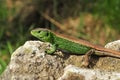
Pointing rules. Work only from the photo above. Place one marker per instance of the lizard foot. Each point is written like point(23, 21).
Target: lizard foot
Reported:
point(51, 49)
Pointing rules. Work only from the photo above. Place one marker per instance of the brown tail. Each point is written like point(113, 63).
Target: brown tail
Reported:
point(108, 52)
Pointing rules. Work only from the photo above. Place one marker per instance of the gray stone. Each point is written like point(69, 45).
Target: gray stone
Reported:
point(30, 62)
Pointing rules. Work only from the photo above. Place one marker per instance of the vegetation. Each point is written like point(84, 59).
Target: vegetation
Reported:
point(105, 19)
point(109, 9)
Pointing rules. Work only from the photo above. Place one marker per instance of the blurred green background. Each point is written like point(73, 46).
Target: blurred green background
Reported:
point(97, 21)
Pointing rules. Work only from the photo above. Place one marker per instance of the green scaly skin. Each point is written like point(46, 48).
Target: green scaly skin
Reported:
point(46, 35)
point(72, 45)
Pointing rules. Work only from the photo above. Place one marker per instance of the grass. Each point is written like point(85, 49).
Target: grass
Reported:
point(3, 65)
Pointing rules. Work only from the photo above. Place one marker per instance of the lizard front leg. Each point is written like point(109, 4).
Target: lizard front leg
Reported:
point(51, 49)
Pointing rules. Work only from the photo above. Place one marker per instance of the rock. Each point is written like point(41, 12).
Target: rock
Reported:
point(30, 62)
point(74, 73)
point(114, 45)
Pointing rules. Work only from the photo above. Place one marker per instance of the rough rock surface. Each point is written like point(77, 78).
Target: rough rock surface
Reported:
point(114, 45)
point(29, 62)
point(75, 73)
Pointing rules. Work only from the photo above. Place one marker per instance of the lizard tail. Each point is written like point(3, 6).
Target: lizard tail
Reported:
point(107, 52)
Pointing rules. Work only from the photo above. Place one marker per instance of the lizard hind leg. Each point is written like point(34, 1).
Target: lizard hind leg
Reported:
point(86, 58)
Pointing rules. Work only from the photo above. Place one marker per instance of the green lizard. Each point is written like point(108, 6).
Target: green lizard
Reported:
point(72, 45)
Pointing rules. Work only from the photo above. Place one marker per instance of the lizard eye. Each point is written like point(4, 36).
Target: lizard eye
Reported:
point(39, 31)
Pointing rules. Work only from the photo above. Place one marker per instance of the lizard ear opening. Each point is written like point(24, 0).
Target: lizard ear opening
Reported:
point(47, 34)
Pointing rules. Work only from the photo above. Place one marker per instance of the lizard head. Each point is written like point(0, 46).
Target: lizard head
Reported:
point(42, 34)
